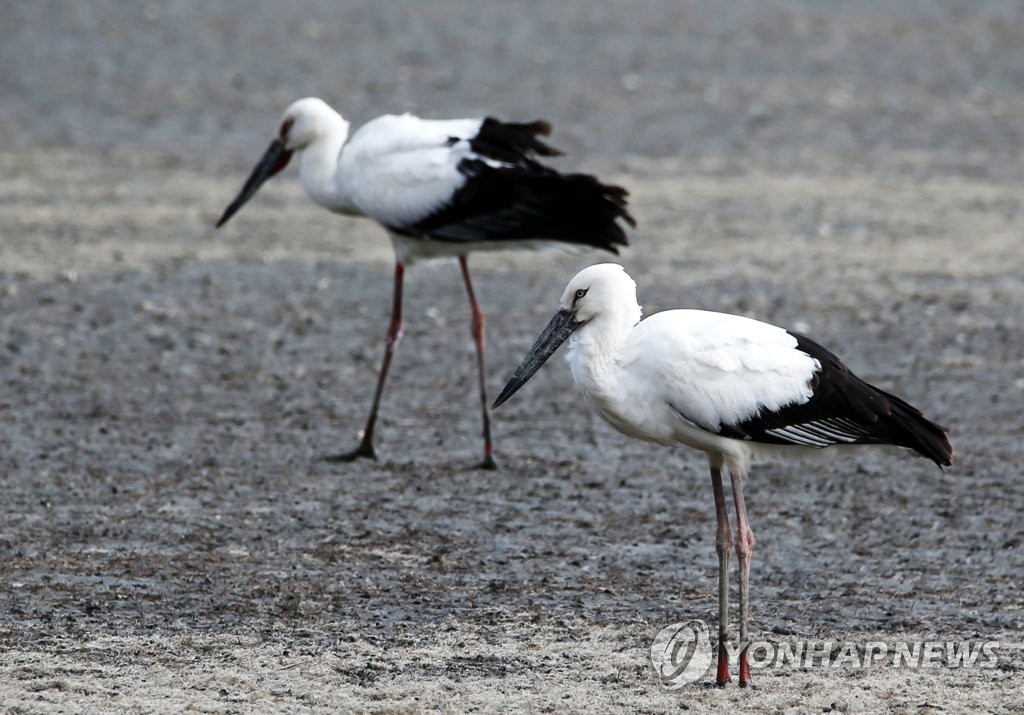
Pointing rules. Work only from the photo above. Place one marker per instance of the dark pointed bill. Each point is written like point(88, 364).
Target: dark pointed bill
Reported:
point(562, 325)
point(274, 159)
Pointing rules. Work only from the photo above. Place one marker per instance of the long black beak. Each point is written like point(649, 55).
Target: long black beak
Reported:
point(561, 326)
point(274, 159)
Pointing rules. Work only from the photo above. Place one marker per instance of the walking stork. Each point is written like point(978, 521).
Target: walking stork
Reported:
point(440, 188)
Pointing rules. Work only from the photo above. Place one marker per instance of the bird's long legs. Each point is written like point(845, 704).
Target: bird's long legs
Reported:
point(744, 548)
point(478, 337)
point(394, 334)
point(723, 544)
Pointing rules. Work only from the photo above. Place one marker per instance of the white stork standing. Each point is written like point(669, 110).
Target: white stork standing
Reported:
point(440, 188)
point(734, 388)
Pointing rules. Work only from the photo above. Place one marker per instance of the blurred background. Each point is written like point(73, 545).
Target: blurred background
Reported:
point(768, 82)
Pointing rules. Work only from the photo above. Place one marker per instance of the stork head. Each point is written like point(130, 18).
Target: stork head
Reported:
point(304, 122)
point(307, 120)
point(599, 290)
point(597, 294)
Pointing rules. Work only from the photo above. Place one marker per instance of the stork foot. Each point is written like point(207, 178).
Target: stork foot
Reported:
point(363, 451)
point(722, 676)
point(745, 668)
point(488, 463)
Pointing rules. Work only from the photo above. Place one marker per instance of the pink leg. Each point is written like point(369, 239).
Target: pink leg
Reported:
point(394, 334)
point(744, 548)
point(723, 544)
point(478, 337)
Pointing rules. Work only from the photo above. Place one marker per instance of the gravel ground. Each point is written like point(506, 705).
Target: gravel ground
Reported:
point(170, 540)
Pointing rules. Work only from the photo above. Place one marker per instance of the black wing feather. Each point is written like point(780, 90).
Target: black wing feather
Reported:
point(524, 199)
point(844, 409)
point(512, 141)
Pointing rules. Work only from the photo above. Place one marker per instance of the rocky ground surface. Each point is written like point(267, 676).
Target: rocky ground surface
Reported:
point(169, 538)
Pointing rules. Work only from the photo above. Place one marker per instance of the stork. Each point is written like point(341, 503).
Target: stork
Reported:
point(440, 188)
point(734, 388)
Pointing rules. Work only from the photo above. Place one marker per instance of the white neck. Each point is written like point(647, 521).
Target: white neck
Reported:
point(595, 349)
point(318, 168)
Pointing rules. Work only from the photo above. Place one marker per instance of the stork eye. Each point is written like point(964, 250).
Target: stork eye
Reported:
point(579, 294)
point(286, 126)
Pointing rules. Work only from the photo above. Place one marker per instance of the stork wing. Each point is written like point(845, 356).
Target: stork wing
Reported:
point(401, 170)
point(475, 180)
point(718, 370)
point(748, 380)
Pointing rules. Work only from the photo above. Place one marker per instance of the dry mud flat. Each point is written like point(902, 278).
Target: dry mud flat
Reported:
point(170, 541)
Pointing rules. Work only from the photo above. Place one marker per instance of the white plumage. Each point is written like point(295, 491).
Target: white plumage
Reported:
point(735, 388)
point(397, 170)
point(440, 188)
point(682, 369)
